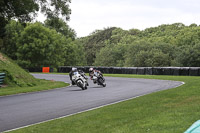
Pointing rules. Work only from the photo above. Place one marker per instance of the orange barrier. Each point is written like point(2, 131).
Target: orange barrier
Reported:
point(45, 69)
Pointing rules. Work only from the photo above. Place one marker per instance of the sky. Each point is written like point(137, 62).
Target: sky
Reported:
point(90, 15)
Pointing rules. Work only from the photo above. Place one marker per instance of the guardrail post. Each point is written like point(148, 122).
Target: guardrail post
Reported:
point(2, 76)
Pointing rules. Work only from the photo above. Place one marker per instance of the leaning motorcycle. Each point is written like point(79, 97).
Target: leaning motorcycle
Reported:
point(99, 79)
point(79, 80)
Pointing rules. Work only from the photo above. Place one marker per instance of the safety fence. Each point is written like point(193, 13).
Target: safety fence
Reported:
point(182, 71)
point(2, 76)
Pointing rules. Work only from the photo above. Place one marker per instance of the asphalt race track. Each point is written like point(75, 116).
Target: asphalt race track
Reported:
point(25, 109)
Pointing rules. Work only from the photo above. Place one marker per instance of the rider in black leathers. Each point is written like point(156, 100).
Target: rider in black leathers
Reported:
point(92, 73)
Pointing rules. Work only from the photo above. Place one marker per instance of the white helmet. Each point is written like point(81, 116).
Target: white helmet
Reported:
point(74, 69)
point(91, 69)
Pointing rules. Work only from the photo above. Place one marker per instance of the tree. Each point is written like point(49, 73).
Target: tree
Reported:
point(16, 9)
point(74, 54)
point(13, 31)
point(188, 55)
point(80, 54)
point(105, 57)
point(55, 8)
point(26, 10)
point(167, 48)
point(117, 35)
point(143, 54)
point(93, 43)
point(164, 40)
point(60, 26)
point(152, 58)
point(133, 49)
point(39, 46)
point(188, 36)
point(111, 55)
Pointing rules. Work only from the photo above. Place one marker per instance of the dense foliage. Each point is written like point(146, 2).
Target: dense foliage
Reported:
point(54, 43)
point(165, 45)
point(34, 45)
point(13, 32)
point(40, 46)
point(26, 10)
point(61, 27)
point(37, 45)
point(95, 42)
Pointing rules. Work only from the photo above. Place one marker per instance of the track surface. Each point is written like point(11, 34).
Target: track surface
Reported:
point(25, 109)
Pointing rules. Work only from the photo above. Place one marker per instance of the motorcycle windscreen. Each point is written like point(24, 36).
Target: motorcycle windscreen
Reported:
point(75, 73)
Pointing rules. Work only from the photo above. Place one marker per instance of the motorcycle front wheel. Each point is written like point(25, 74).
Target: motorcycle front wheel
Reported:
point(104, 85)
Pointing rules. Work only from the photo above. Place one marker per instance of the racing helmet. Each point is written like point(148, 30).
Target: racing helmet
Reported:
point(91, 69)
point(74, 69)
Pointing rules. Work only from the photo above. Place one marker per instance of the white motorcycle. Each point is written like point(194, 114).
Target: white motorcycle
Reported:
point(79, 80)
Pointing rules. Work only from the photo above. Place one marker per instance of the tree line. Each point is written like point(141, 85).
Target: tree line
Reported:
point(38, 45)
point(53, 43)
point(35, 44)
point(166, 45)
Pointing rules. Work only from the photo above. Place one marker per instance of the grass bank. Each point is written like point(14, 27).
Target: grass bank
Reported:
point(19, 81)
point(168, 111)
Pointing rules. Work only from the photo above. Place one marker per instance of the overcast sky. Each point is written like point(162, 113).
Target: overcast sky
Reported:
point(89, 15)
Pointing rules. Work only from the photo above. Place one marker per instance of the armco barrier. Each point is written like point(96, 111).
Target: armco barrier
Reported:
point(179, 71)
point(2, 76)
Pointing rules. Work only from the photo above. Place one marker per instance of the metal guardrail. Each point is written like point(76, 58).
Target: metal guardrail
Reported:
point(2, 76)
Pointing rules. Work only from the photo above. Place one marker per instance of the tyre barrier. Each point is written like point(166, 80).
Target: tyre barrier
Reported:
point(39, 69)
point(176, 71)
point(2, 76)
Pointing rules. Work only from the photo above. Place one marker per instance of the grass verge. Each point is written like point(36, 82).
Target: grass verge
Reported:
point(41, 86)
point(168, 111)
point(18, 80)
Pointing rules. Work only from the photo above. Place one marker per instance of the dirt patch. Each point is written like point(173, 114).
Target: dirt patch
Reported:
point(3, 86)
point(2, 58)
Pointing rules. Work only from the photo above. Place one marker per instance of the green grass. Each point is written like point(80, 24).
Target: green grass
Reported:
point(168, 111)
point(15, 75)
point(41, 86)
point(19, 81)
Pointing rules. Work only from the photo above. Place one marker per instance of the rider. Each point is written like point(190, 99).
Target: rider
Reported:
point(71, 73)
point(92, 74)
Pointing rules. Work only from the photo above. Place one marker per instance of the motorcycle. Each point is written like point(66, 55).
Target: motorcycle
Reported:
point(99, 79)
point(80, 80)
